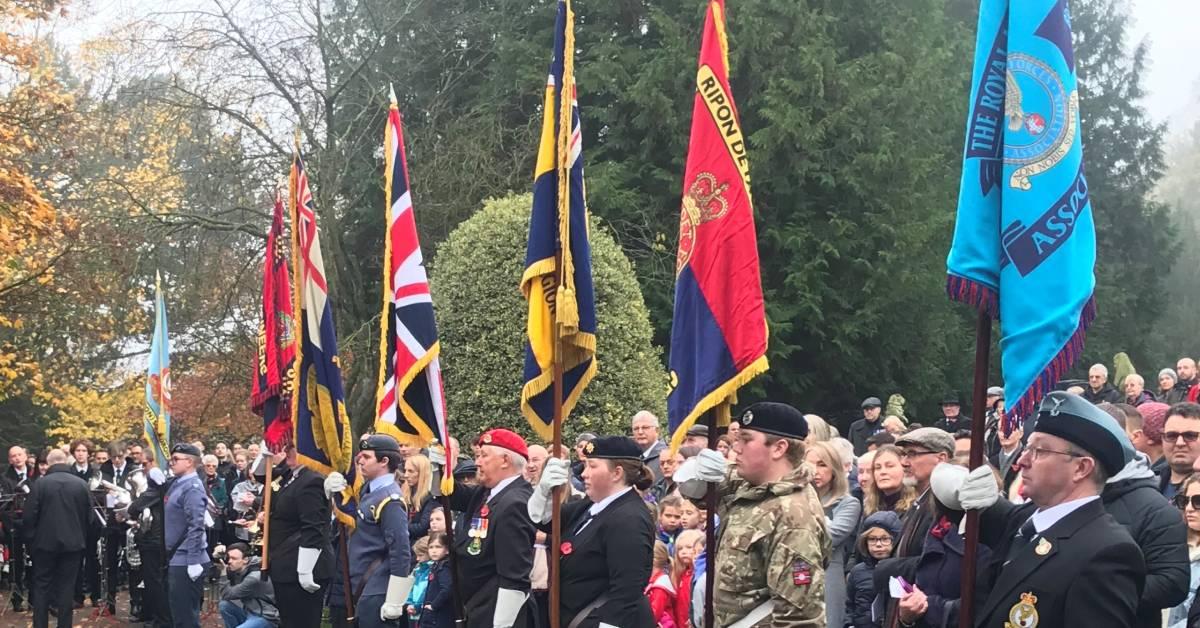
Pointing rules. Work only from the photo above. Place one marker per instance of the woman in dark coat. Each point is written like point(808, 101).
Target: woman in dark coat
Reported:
point(608, 538)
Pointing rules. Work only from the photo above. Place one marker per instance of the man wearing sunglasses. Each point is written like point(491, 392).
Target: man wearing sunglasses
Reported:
point(1181, 446)
point(1061, 555)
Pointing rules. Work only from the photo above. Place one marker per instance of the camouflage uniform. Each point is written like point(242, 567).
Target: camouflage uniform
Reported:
point(773, 545)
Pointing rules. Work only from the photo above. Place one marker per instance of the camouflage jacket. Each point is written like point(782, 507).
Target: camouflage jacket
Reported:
point(773, 544)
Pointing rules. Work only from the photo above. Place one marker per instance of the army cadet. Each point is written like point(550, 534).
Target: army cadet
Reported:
point(494, 545)
point(1061, 555)
point(773, 545)
point(301, 561)
point(608, 539)
point(380, 558)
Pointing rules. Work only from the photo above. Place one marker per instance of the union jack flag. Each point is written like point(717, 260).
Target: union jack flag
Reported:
point(411, 405)
point(320, 423)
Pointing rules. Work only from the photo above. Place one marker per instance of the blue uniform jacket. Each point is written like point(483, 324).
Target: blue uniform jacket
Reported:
point(183, 518)
point(381, 534)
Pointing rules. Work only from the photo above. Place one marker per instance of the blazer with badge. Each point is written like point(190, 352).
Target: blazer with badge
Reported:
point(1085, 570)
point(609, 557)
point(299, 518)
point(493, 547)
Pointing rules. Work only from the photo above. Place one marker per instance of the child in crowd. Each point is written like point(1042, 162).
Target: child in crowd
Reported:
point(688, 545)
point(691, 516)
point(880, 532)
point(438, 608)
point(669, 514)
point(437, 522)
point(416, 595)
point(661, 589)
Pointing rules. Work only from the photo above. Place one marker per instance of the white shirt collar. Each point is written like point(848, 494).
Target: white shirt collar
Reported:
point(501, 485)
point(1043, 519)
point(81, 468)
point(599, 506)
point(381, 481)
point(649, 450)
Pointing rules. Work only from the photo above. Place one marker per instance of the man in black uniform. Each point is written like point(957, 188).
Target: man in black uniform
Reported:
point(89, 577)
point(57, 518)
point(15, 485)
point(607, 539)
point(147, 510)
point(1064, 561)
point(300, 558)
point(115, 471)
point(494, 546)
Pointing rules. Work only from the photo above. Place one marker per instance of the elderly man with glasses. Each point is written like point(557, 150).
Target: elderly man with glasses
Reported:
point(1061, 554)
point(644, 429)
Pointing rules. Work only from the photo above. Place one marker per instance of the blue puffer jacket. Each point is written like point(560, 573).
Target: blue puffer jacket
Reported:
point(860, 588)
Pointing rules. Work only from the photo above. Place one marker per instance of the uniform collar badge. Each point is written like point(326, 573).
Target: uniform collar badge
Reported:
point(1043, 547)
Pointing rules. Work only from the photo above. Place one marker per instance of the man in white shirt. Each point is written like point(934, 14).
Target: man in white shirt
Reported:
point(1061, 559)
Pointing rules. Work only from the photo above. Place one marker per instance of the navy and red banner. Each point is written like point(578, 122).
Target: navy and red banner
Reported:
point(321, 427)
point(271, 394)
point(409, 400)
point(719, 332)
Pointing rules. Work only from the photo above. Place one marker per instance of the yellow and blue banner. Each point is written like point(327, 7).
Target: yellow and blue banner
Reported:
point(322, 429)
point(557, 281)
point(156, 421)
point(1024, 240)
point(719, 328)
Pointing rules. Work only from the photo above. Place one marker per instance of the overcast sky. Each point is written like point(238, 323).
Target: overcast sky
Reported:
point(1171, 27)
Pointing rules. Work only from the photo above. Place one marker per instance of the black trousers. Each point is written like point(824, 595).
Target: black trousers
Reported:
point(89, 575)
point(185, 596)
point(114, 542)
point(54, 576)
point(299, 608)
point(154, 572)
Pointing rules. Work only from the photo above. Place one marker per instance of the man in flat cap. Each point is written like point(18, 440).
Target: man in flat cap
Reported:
point(921, 450)
point(867, 426)
point(1061, 559)
point(493, 546)
point(185, 537)
point(773, 545)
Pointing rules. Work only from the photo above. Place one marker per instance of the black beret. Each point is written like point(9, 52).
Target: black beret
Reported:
point(613, 448)
point(775, 418)
point(185, 448)
point(1078, 421)
point(378, 442)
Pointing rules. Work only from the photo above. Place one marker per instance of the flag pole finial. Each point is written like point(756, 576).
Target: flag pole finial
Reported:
point(392, 93)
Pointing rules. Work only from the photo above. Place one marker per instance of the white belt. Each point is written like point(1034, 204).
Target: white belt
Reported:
point(756, 614)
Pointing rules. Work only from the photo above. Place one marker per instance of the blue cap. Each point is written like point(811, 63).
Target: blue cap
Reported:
point(1077, 420)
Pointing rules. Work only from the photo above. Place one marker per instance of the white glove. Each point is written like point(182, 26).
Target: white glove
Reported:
point(508, 606)
point(693, 476)
point(124, 499)
point(555, 472)
point(305, 561)
point(393, 603)
point(335, 483)
point(195, 571)
point(979, 490)
point(437, 455)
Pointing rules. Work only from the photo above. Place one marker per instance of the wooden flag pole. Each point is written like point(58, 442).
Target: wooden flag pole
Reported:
point(343, 532)
point(556, 494)
point(710, 530)
point(266, 524)
point(983, 346)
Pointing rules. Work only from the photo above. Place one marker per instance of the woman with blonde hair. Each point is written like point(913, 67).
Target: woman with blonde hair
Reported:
point(818, 429)
point(416, 487)
point(888, 491)
point(842, 511)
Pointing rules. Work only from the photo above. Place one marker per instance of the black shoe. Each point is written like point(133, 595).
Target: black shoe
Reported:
point(18, 607)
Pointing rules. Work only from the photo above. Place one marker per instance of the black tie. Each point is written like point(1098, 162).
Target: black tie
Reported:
point(1022, 540)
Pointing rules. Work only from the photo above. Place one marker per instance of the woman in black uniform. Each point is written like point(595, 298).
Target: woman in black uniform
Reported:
point(607, 539)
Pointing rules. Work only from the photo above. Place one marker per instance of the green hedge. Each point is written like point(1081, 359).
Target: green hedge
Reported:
point(481, 314)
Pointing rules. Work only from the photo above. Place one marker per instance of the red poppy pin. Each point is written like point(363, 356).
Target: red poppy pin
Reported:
point(565, 549)
point(483, 512)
